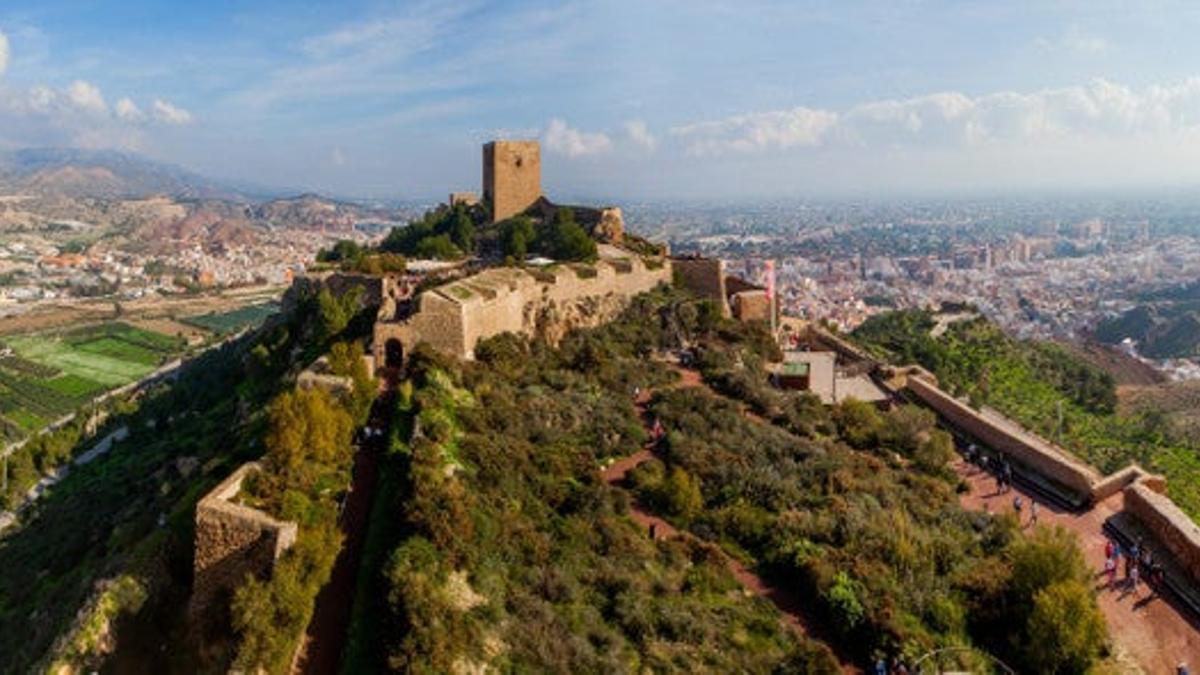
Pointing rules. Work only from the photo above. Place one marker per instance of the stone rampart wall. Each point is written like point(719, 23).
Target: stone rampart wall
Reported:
point(1022, 446)
point(1116, 482)
point(232, 541)
point(338, 283)
point(703, 276)
point(753, 305)
point(1168, 523)
point(541, 303)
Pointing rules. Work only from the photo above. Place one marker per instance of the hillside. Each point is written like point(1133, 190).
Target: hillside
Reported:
point(123, 202)
point(110, 174)
point(1177, 402)
point(514, 548)
point(793, 538)
point(1166, 325)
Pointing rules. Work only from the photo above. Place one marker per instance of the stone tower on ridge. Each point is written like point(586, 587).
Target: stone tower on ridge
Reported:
point(512, 177)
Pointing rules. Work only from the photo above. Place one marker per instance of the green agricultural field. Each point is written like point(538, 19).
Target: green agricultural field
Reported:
point(49, 375)
point(225, 323)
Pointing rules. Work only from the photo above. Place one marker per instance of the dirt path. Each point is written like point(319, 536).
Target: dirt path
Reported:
point(794, 613)
point(320, 651)
point(1153, 632)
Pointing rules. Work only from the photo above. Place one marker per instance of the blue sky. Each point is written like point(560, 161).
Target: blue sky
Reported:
point(695, 98)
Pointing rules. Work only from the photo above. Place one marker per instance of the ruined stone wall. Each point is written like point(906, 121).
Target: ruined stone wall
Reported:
point(1168, 523)
point(752, 305)
point(703, 276)
point(512, 177)
point(231, 541)
point(1006, 437)
point(308, 285)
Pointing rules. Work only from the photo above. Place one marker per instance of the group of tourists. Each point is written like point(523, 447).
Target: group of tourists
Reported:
point(1002, 469)
point(996, 465)
point(1139, 563)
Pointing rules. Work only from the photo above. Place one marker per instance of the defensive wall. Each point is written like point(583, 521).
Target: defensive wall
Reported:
point(1168, 523)
point(747, 301)
point(703, 276)
point(232, 541)
point(308, 285)
point(605, 224)
point(1144, 493)
point(1007, 437)
point(544, 303)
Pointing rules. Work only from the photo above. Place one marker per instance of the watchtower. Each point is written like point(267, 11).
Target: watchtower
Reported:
point(512, 177)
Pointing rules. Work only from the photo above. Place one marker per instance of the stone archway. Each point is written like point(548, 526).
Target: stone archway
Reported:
point(393, 353)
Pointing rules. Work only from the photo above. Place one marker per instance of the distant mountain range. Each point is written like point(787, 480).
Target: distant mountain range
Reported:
point(103, 173)
point(139, 204)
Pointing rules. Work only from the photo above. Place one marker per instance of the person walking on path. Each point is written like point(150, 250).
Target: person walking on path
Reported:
point(1110, 570)
point(1155, 579)
point(1133, 580)
point(1033, 511)
point(1109, 548)
point(1017, 508)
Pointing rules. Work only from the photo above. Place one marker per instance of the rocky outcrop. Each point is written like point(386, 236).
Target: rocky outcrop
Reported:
point(551, 321)
point(610, 228)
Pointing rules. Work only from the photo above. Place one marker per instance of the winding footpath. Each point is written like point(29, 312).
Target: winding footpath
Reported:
point(1152, 633)
point(320, 650)
point(794, 614)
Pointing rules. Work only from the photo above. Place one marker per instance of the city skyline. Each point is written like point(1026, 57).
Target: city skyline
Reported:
point(673, 100)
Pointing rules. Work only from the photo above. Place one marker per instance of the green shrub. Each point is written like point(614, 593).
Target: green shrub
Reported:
point(1066, 632)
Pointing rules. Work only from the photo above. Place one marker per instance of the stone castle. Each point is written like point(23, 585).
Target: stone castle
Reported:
point(540, 302)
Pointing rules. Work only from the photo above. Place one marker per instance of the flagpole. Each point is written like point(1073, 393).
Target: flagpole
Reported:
point(771, 295)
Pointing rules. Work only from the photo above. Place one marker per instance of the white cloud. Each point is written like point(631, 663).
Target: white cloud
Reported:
point(3, 53)
point(564, 140)
point(40, 98)
point(640, 135)
point(1100, 110)
point(406, 32)
point(167, 113)
point(757, 131)
point(86, 96)
point(128, 111)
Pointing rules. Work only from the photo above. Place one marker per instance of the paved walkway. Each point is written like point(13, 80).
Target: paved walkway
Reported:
point(794, 614)
point(1152, 632)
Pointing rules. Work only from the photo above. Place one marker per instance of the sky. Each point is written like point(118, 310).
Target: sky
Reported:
point(639, 99)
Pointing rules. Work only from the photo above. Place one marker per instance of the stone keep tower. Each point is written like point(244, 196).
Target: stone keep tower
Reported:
point(512, 177)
